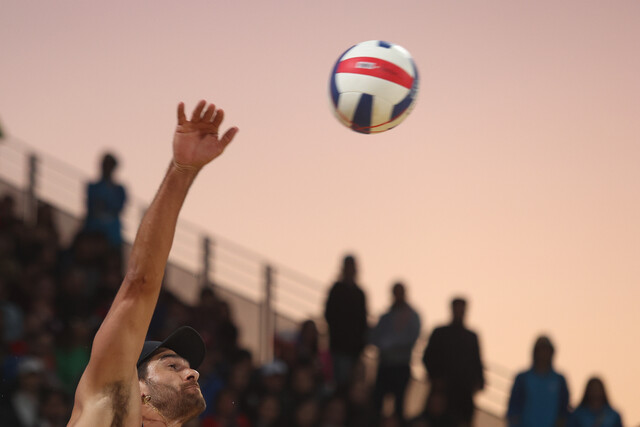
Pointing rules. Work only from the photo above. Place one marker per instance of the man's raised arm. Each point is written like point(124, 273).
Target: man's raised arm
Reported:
point(119, 340)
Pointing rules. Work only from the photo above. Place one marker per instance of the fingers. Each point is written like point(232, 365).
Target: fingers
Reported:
point(218, 119)
point(209, 120)
point(198, 116)
point(228, 136)
point(197, 112)
point(208, 113)
point(181, 117)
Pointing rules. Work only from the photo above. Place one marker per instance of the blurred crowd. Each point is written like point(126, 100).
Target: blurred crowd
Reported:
point(54, 297)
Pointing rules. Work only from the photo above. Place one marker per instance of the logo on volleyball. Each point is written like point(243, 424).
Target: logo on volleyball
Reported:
point(367, 65)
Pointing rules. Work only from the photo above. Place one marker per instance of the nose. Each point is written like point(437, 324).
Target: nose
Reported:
point(192, 374)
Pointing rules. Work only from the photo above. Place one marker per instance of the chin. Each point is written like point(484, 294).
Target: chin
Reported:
point(193, 404)
point(199, 404)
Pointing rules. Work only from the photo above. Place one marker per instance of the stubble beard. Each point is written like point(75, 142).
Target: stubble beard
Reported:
point(176, 404)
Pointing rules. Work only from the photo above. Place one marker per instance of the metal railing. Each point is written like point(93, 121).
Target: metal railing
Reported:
point(270, 296)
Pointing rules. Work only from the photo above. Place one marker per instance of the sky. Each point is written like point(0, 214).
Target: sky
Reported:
point(514, 181)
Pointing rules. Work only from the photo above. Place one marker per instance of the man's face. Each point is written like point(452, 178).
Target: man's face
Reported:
point(172, 386)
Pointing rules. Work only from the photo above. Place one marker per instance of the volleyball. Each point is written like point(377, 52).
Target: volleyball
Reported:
point(373, 86)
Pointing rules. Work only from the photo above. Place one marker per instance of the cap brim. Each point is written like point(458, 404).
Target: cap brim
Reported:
point(185, 341)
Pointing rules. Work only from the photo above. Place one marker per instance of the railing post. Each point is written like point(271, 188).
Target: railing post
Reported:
point(207, 268)
point(30, 201)
point(268, 324)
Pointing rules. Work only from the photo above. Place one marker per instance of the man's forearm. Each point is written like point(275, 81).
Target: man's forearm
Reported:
point(153, 241)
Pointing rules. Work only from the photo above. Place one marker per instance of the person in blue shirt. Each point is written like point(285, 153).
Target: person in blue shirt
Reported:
point(395, 335)
point(594, 410)
point(539, 396)
point(105, 201)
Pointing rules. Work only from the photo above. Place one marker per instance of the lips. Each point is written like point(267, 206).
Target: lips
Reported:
point(191, 386)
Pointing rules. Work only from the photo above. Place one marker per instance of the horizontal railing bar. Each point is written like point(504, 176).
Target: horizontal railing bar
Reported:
point(238, 264)
point(282, 284)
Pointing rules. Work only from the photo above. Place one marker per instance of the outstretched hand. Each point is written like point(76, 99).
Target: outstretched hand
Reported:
point(196, 141)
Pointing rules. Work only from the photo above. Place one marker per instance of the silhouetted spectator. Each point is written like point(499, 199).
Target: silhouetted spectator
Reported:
point(46, 228)
point(55, 409)
point(307, 345)
point(594, 409)
point(73, 300)
point(452, 359)
point(435, 410)
point(38, 245)
point(360, 411)
point(226, 338)
point(20, 407)
point(240, 380)
point(306, 413)
point(307, 349)
point(10, 232)
point(390, 421)
point(105, 201)
point(303, 347)
point(227, 414)
point(419, 422)
point(334, 412)
point(346, 315)
point(304, 382)
point(269, 413)
point(274, 382)
point(539, 396)
point(72, 354)
point(203, 317)
point(12, 315)
point(395, 335)
point(9, 219)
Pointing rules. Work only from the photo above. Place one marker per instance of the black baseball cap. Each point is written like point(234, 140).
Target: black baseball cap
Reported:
point(185, 341)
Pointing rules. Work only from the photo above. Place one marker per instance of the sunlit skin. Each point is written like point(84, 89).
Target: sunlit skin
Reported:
point(170, 390)
point(110, 393)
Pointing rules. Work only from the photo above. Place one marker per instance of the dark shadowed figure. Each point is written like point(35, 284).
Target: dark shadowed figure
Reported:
point(453, 363)
point(346, 316)
point(395, 335)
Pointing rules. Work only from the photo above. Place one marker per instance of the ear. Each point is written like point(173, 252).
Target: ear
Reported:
point(144, 388)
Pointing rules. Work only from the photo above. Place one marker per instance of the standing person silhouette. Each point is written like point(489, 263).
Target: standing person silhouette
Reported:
point(130, 382)
point(395, 336)
point(452, 359)
point(105, 201)
point(346, 316)
point(539, 396)
point(594, 409)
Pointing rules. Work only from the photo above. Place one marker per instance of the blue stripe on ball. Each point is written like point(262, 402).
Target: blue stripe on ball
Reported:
point(362, 116)
point(384, 44)
point(401, 106)
point(333, 88)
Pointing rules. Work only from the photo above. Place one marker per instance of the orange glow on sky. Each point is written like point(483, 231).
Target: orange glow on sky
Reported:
point(515, 181)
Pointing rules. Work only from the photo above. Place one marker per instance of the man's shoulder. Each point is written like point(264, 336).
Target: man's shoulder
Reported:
point(440, 329)
point(413, 312)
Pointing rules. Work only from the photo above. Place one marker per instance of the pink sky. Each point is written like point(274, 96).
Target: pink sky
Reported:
point(515, 180)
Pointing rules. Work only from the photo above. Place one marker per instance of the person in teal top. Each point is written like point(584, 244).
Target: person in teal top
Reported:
point(539, 396)
point(594, 410)
point(105, 201)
